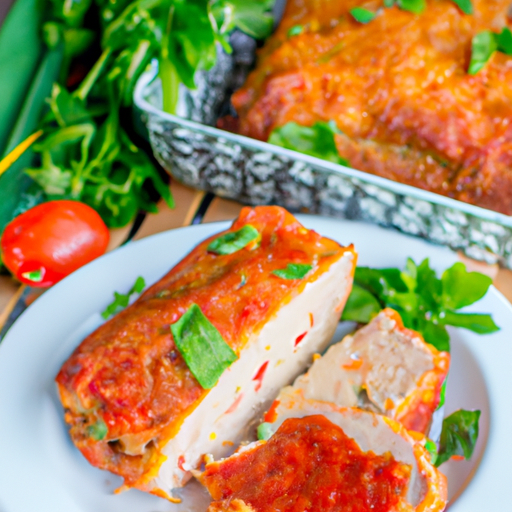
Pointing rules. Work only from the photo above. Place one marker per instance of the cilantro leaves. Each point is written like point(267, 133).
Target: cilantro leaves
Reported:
point(121, 300)
point(426, 303)
point(200, 343)
point(317, 140)
point(234, 240)
point(293, 271)
point(483, 46)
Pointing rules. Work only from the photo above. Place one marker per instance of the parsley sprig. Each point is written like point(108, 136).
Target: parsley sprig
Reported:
point(426, 303)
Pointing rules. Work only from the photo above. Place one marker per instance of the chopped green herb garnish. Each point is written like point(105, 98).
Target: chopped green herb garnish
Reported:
point(415, 6)
point(431, 448)
point(98, 430)
point(121, 300)
point(362, 15)
point(442, 395)
point(200, 343)
point(243, 281)
point(295, 30)
point(317, 140)
point(234, 240)
point(264, 431)
point(293, 271)
point(465, 6)
point(458, 436)
point(505, 41)
point(426, 303)
point(36, 276)
point(485, 44)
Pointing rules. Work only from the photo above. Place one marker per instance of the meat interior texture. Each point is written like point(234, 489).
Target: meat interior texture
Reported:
point(327, 458)
point(383, 367)
point(129, 379)
point(398, 89)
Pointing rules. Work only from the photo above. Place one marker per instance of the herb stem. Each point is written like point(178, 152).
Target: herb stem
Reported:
point(167, 71)
point(85, 87)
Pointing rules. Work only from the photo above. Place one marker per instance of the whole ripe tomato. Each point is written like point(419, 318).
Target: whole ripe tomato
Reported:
point(51, 240)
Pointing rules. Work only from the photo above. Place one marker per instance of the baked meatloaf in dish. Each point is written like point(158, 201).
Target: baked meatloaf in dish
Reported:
point(398, 89)
point(141, 393)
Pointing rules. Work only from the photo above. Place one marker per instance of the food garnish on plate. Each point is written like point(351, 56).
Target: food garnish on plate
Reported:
point(183, 371)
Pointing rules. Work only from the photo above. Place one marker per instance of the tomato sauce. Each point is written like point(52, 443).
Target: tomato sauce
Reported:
point(310, 465)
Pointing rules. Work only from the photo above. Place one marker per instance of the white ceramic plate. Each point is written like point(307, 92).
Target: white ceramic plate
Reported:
point(40, 470)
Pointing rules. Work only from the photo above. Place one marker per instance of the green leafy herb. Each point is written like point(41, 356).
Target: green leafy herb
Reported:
point(264, 431)
point(317, 140)
point(200, 343)
point(431, 448)
point(86, 154)
point(98, 430)
point(295, 30)
point(442, 395)
point(293, 271)
point(466, 6)
point(483, 46)
point(504, 40)
point(415, 6)
point(35, 276)
point(234, 241)
point(121, 300)
point(426, 303)
point(458, 436)
point(362, 15)
point(361, 305)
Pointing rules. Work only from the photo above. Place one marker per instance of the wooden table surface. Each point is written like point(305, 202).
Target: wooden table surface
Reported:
point(190, 206)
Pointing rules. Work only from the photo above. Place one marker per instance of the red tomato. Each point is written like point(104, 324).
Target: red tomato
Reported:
point(48, 242)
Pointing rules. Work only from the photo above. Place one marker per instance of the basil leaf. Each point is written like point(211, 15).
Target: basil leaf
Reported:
point(98, 430)
point(362, 15)
point(317, 140)
point(431, 448)
point(234, 241)
point(295, 30)
point(361, 306)
point(121, 300)
point(465, 6)
point(462, 288)
point(264, 431)
point(293, 271)
point(505, 41)
point(458, 436)
point(479, 323)
point(435, 334)
point(483, 46)
point(200, 343)
point(415, 6)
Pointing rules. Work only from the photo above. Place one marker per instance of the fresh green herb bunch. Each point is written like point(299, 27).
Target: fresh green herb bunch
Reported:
point(426, 303)
point(85, 152)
